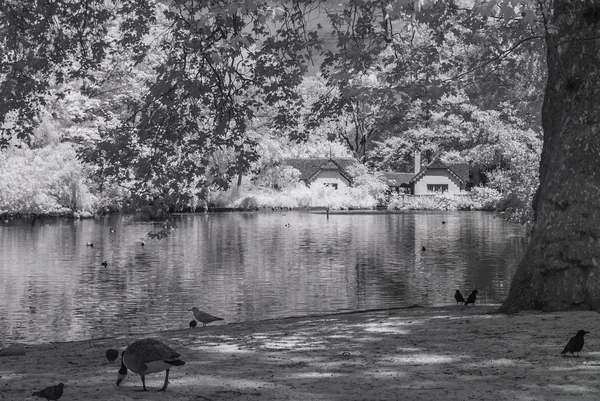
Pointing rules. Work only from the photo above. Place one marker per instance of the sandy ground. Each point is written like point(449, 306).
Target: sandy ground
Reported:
point(446, 353)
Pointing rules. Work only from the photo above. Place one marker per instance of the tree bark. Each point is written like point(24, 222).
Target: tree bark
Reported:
point(560, 269)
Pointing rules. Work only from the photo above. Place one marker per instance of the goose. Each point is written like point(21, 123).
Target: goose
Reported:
point(203, 317)
point(148, 356)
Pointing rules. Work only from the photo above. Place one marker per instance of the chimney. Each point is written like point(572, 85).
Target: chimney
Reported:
point(417, 162)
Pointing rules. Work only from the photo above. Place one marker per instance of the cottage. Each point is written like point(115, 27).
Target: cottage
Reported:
point(331, 172)
point(434, 177)
point(440, 177)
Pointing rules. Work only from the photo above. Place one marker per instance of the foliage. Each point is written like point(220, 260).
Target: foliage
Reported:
point(46, 181)
point(478, 200)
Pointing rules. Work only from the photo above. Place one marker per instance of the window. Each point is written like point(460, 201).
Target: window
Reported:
point(437, 187)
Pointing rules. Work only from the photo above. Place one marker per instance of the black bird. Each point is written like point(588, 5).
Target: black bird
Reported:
point(423, 249)
point(443, 222)
point(51, 393)
point(192, 324)
point(112, 355)
point(575, 344)
point(471, 298)
point(105, 263)
point(459, 298)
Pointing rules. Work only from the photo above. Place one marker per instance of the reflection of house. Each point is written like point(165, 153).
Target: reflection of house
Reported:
point(434, 177)
point(330, 172)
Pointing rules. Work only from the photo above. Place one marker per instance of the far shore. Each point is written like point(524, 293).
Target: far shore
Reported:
point(448, 353)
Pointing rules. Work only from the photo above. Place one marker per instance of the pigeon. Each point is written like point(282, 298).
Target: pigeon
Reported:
point(112, 355)
point(459, 298)
point(575, 344)
point(105, 263)
point(148, 356)
point(50, 393)
point(204, 317)
point(192, 324)
point(471, 298)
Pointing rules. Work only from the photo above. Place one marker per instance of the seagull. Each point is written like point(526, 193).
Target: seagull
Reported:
point(89, 244)
point(148, 356)
point(575, 344)
point(192, 324)
point(471, 298)
point(50, 393)
point(112, 355)
point(459, 298)
point(204, 317)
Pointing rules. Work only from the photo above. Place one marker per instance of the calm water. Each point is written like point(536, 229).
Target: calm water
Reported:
point(242, 267)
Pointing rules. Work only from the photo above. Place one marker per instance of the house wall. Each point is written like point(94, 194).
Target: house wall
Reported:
point(331, 177)
point(438, 176)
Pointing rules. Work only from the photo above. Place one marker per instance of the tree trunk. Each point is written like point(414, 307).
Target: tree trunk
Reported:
point(560, 268)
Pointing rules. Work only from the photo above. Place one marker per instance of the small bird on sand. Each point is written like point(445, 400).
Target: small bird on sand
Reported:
point(459, 298)
point(471, 299)
point(51, 393)
point(575, 344)
point(192, 324)
point(105, 263)
point(148, 356)
point(112, 355)
point(204, 317)
point(91, 244)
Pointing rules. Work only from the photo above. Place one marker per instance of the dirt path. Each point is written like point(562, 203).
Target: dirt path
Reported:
point(448, 353)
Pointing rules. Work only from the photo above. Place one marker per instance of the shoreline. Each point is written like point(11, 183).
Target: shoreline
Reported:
point(417, 353)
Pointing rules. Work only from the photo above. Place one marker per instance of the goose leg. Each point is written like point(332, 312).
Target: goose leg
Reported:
point(164, 387)
point(143, 384)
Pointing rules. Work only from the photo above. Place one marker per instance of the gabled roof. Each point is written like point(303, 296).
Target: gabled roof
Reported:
point(397, 179)
point(459, 170)
point(309, 168)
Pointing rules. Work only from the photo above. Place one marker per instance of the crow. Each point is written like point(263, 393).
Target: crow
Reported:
point(423, 249)
point(471, 298)
point(51, 393)
point(575, 344)
point(112, 355)
point(459, 298)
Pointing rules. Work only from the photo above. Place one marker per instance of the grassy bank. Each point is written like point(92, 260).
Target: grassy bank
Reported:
point(449, 353)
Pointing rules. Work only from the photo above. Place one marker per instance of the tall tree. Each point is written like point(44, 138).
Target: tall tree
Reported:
point(560, 268)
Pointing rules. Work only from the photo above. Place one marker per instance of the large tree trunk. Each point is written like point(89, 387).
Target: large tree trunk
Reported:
point(560, 268)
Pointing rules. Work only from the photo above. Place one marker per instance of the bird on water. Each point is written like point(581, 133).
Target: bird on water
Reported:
point(90, 244)
point(575, 344)
point(105, 263)
point(459, 297)
point(148, 356)
point(203, 317)
point(471, 299)
point(51, 393)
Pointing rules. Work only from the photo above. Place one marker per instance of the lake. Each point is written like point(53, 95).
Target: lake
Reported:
point(242, 267)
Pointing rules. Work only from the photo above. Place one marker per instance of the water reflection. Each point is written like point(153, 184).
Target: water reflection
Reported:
point(241, 266)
